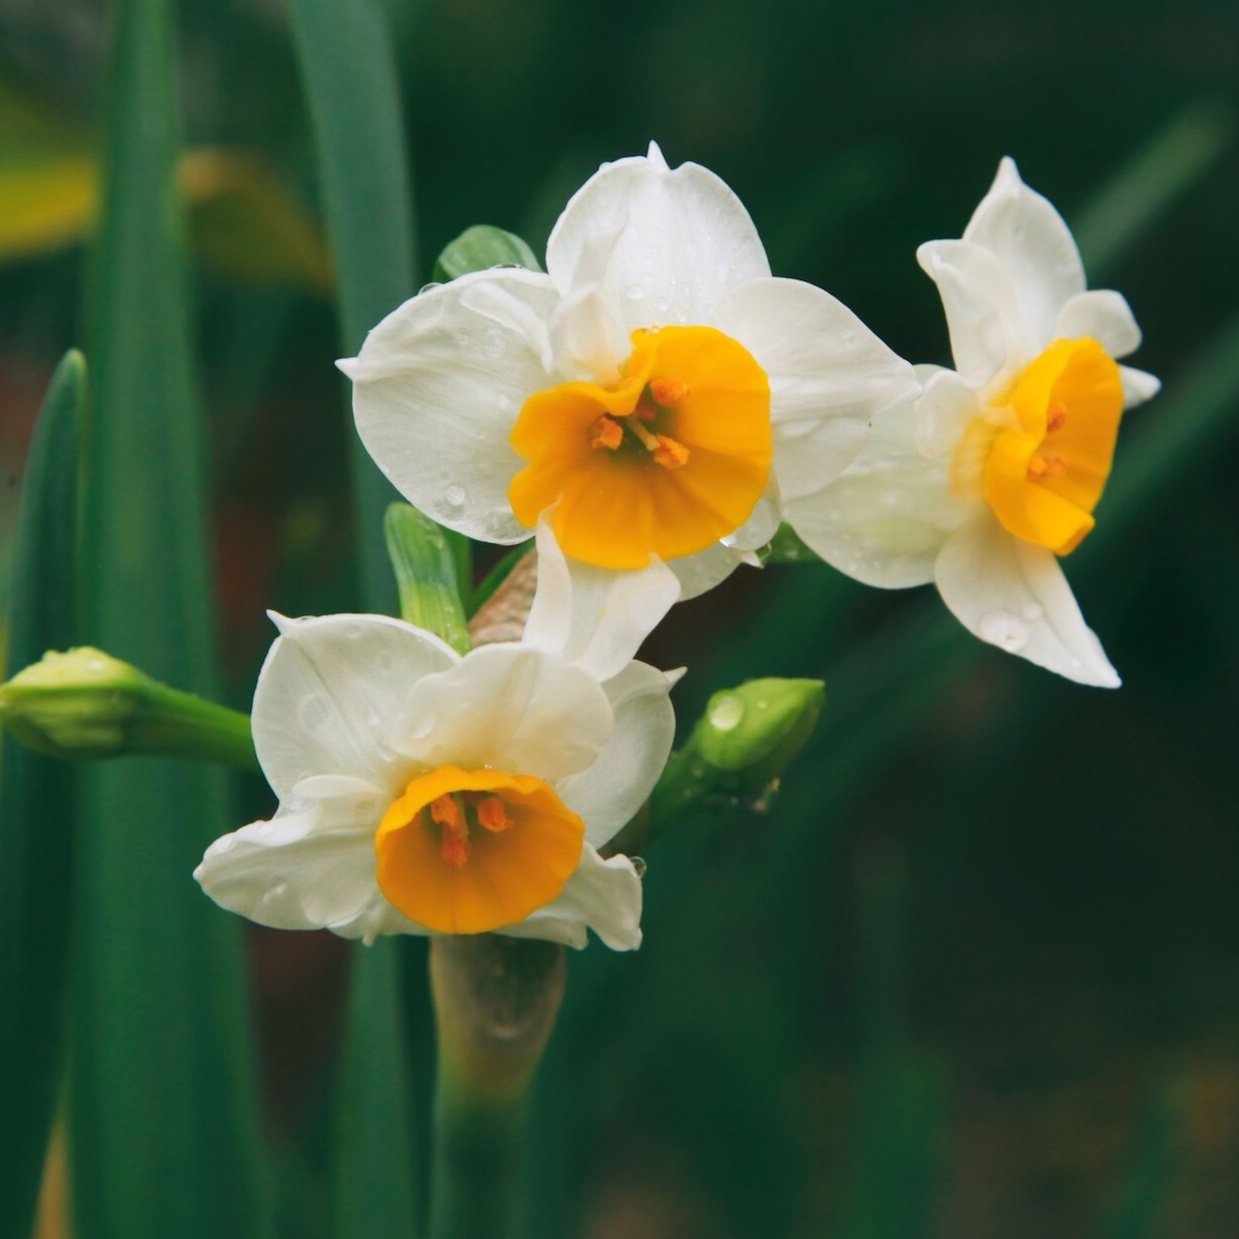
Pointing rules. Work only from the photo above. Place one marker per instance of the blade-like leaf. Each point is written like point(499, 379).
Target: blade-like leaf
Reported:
point(164, 1110)
point(37, 810)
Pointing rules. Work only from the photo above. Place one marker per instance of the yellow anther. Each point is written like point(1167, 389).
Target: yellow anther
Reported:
point(493, 816)
point(668, 391)
point(606, 433)
point(454, 849)
point(1043, 465)
point(669, 453)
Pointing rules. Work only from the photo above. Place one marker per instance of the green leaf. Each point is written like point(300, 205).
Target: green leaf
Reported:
point(349, 74)
point(37, 837)
point(480, 247)
point(164, 1107)
point(425, 569)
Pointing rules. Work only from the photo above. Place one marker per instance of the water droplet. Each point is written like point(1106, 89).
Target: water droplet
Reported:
point(1004, 630)
point(725, 715)
point(662, 305)
point(1032, 610)
point(354, 632)
point(425, 288)
point(763, 704)
point(384, 751)
point(314, 713)
point(454, 495)
point(504, 404)
point(372, 718)
point(639, 865)
point(96, 665)
point(634, 292)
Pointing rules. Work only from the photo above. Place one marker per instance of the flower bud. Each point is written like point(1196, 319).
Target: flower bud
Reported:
point(753, 732)
point(480, 247)
point(86, 704)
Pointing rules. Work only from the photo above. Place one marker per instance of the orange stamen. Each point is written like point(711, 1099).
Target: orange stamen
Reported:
point(607, 433)
point(1056, 418)
point(669, 453)
point(668, 391)
point(493, 816)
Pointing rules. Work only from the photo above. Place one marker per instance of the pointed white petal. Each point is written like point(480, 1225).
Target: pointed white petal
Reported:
point(989, 336)
point(333, 696)
point(1033, 244)
point(591, 616)
point(700, 573)
point(610, 792)
point(512, 708)
point(310, 867)
point(602, 895)
point(1014, 596)
point(1102, 314)
point(681, 239)
point(885, 520)
point(829, 374)
point(1138, 386)
point(437, 388)
point(940, 417)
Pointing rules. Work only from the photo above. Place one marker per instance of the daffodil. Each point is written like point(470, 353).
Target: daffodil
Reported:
point(656, 392)
point(425, 792)
point(992, 475)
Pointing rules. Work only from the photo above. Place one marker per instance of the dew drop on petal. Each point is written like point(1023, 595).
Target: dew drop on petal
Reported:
point(454, 495)
point(1032, 610)
point(634, 292)
point(504, 404)
point(1004, 630)
point(726, 714)
point(372, 718)
point(639, 866)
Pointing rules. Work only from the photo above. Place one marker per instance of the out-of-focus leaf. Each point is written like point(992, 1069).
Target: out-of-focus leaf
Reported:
point(1162, 172)
point(164, 1108)
point(37, 835)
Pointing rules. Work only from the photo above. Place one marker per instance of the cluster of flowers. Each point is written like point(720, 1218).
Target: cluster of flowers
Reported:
point(652, 407)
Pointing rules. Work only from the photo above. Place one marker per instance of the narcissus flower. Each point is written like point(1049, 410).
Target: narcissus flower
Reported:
point(992, 475)
point(656, 392)
point(425, 792)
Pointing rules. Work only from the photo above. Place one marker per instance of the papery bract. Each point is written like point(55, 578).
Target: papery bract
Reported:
point(656, 392)
point(994, 471)
point(422, 791)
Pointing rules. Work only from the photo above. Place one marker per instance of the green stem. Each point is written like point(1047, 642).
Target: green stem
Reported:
point(496, 999)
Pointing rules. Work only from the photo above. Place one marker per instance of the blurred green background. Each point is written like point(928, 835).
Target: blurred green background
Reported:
point(977, 971)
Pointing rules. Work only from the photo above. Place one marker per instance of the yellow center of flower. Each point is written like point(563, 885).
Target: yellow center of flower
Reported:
point(467, 851)
point(667, 460)
point(1041, 453)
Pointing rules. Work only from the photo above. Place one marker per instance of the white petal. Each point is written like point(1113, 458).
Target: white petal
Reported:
point(608, 794)
point(1138, 386)
point(512, 708)
point(764, 522)
point(311, 867)
point(885, 520)
point(1033, 244)
point(941, 416)
point(437, 388)
point(989, 336)
point(1014, 596)
point(829, 374)
point(333, 696)
point(591, 616)
point(678, 240)
point(700, 573)
point(1102, 314)
point(602, 895)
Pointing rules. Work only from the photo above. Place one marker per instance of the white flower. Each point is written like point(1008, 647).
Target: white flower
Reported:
point(421, 791)
point(994, 472)
point(656, 391)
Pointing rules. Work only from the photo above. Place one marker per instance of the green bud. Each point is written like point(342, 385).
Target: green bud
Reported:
point(85, 704)
point(423, 557)
point(480, 247)
point(755, 730)
point(737, 753)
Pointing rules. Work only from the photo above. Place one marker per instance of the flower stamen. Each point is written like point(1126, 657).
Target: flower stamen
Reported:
point(492, 815)
point(607, 433)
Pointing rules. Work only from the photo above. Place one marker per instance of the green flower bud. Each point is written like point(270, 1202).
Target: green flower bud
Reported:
point(480, 247)
point(85, 704)
point(755, 730)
